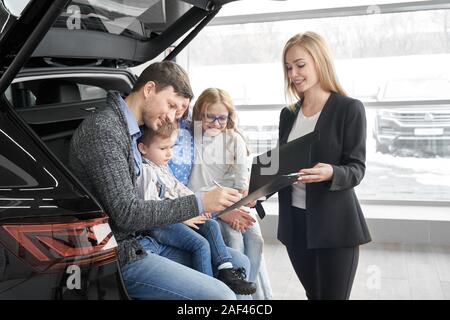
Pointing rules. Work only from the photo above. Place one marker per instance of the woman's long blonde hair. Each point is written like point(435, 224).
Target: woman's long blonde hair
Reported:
point(316, 46)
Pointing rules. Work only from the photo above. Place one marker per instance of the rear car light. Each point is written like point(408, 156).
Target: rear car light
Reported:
point(48, 247)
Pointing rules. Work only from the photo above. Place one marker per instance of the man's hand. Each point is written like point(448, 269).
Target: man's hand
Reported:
point(220, 198)
point(193, 222)
point(238, 219)
point(207, 215)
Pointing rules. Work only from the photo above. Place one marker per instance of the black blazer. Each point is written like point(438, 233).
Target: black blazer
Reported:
point(333, 215)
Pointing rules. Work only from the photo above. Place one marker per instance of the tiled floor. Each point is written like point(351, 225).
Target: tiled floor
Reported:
point(385, 271)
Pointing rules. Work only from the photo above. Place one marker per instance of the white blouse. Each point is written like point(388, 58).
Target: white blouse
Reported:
point(302, 126)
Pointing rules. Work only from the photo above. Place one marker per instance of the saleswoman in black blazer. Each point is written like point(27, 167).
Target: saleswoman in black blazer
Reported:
point(320, 219)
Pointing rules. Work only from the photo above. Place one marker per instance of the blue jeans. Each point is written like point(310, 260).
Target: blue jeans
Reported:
point(164, 274)
point(205, 244)
point(250, 243)
point(263, 286)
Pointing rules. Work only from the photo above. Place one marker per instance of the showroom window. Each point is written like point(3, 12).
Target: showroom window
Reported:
point(393, 57)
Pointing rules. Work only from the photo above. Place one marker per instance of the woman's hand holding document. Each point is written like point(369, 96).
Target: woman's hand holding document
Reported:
point(320, 172)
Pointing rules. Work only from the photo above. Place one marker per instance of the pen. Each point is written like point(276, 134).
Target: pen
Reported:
point(295, 174)
point(217, 184)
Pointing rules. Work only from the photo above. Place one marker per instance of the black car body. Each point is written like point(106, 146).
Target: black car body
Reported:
point(58, 59)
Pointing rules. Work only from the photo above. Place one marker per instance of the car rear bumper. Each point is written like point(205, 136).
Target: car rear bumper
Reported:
point(101, 282)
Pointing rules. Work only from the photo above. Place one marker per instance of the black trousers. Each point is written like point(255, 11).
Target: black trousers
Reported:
point(326, 274)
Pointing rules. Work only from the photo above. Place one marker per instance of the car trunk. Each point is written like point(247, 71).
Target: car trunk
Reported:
point(54, 102)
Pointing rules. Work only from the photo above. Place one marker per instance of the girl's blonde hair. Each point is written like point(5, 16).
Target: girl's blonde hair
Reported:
point(215, 95)
point(316, 46)
point(211, 96)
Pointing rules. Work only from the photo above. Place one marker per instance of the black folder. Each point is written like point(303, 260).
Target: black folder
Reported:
point(278, 168)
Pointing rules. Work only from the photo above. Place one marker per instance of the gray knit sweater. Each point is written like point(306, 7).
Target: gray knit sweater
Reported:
point(102, 158)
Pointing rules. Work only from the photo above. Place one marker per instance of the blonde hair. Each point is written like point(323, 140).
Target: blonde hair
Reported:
point(215, 95)
point(316, 46)
point(211, 96)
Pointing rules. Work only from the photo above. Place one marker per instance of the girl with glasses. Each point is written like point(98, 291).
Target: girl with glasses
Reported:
point(221, 157)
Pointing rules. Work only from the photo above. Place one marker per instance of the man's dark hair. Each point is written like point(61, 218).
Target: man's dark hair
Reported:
point(165, 74)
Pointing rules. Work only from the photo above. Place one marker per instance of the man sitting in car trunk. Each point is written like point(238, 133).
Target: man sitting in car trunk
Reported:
point(105, 157)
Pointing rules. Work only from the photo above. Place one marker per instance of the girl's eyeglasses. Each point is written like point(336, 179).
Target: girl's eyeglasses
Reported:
point(211, 118)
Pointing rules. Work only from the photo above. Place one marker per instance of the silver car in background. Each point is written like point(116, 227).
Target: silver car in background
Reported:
point(414, 127)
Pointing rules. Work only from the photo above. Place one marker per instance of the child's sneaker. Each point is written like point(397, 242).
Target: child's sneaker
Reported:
point(235, 279)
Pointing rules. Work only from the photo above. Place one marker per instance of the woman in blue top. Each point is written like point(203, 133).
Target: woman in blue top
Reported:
point(183, 151)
